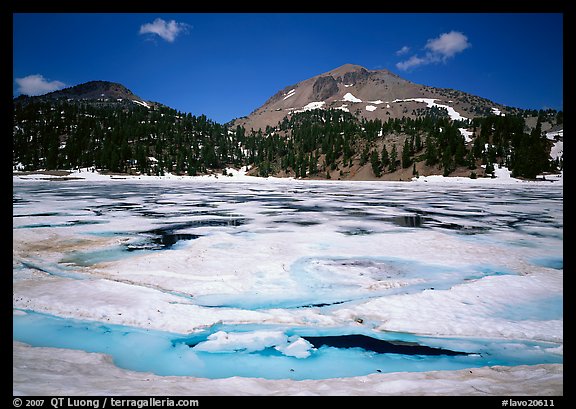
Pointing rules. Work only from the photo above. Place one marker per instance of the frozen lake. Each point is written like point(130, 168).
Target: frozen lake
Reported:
point(285, 279)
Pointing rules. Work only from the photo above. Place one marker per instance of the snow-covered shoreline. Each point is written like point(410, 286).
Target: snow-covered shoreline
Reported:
point(501, 176)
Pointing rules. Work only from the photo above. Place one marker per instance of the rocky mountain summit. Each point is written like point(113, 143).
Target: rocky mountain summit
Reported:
point(94, 93)
point(369, 94)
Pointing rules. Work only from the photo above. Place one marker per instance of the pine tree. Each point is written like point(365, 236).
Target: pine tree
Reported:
point(470, 160)
point(365, 156)
point(393, 159)
point(385, 161)
point(376, 164)
point(417, 143)
point(489, 170)
point(447, 160)
point(312, 164)
point(431, 152)
point(406, 154)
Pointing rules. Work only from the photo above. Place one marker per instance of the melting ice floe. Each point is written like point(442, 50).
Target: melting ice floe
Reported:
point(275, 352)
point(222, 341)
point(309, 257)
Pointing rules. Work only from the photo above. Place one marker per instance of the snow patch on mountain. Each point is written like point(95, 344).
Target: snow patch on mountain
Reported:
point(466, 134)
point(496, 111)
point(289, 94)
point(557, 150)
point(310, 106)
point(454, 115)
point(144, 104)
point(552, 135)
point(351, 98)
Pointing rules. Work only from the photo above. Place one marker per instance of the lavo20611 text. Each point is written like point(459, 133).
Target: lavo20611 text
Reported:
point(528, 402)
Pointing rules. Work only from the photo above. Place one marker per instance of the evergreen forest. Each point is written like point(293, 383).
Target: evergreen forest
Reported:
point(69, 134)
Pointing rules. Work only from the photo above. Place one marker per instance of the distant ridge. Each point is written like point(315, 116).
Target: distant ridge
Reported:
point(96, 91)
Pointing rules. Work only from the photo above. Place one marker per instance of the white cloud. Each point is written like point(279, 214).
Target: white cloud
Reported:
point(403, 50)
point(166, 30)
point(445, 46)
point(413, 61)
point(448, 44)
point(36, 84)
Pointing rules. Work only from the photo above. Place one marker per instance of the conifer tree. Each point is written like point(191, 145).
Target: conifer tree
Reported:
point(393, 159)
point(385, 161)
point(376, 164)
point(406, 153)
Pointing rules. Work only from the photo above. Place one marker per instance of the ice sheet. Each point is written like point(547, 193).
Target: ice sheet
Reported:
point(443, 259)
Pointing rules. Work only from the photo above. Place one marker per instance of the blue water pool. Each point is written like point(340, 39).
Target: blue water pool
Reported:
point(272, 351)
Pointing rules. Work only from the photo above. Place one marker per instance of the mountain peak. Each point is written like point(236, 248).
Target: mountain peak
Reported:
point(370, 94)
point(354, 68)
point(346, 68)
point(94, 90)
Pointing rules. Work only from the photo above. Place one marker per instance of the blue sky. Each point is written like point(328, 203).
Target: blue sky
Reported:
point(225, 65)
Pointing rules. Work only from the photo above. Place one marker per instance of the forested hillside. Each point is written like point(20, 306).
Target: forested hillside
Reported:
point(332, 143)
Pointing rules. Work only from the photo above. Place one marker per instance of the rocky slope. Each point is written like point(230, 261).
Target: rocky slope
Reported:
point(94, 93)
point(365, 93)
